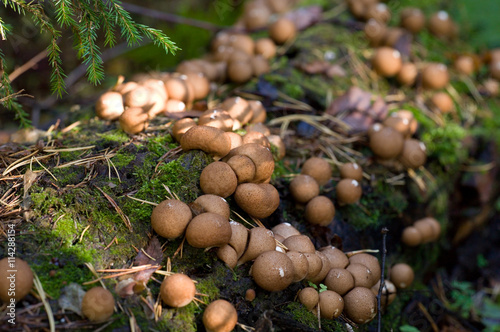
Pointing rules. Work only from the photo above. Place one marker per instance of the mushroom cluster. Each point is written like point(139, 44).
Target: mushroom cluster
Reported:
point(422, 231)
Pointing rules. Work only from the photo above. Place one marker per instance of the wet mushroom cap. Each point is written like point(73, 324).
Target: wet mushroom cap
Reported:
point(319, 169)
point(331, 304)
point(360, 305)
point(309, 297)
point(23, 279)
point(220, 316)
point(402, 275)
point(304, 188)
point(98, 304)
point(170, 218)
point(273, 271)
point(218, 178)
point(320, 211)
point(208, 230)
point(177, 290)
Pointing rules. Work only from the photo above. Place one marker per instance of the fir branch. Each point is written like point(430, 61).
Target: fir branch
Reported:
point(4, 29)
point(108, 25)
point(65, 12)
point(91, 53)
point(128, 26)
point(158, 38)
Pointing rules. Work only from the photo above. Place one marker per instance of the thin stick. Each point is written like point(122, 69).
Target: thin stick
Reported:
point(28, 65)
point(48, 309)
point(384, 231)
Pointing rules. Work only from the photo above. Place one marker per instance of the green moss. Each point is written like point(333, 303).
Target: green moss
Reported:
point(306, 317)
point(160, 144)
point(122, 158)
point(115, 136)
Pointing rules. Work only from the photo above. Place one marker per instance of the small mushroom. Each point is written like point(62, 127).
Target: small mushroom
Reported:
point(300, 243)
point(218, 178)
point(319, 169)
point(413, 154)
point(259, 127)
point(441, 25)
point(351, 171)
point(282, 30)
point(325, 268)
point(216, 118)
point(309, 297)
point(412, 19)
point(300, 265)
point(378, 11)
point(238, 107)
point(385, 142)
point(257, 138)
point(277, 142)
point(134, 120)
point(228, 255)
point(98, 304)
point(239, 71)
point(436, 226)
point(407, 74)
point(208, 139)
point(170, 218)
point(402, 275)
point(261, 157)
point(181, 126)
point(348, 191)
point(465, 64)
point(285, 229)
point(411, 236)
point(208, 230)
point(215, 204)
point(235, 139)
point(109, 106)
point(426, 230)
point(138, 97)
point(337, 257)
point(259, 113)
point(260, 65)
point(126, 87)
point(265, 47)
point(180, 89)
point(23, 279)
point(363, 276)
point(339, 280)
point(375, 32)
point(360, 305)
point(220, 316)
point(258, 200)
point(435, 76)
point(331, 304)
point(387, 61)
point(273, 271)
point(370, 262)
point(320, 211)
point(388, 292)
point(250, 294)
point(304, 188)
point(239, 237)
point(315, 264)
point(442, 101)
point(177, 290)
point(260, 240)
point(200, 84)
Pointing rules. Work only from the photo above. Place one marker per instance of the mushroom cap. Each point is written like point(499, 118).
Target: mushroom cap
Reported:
point(378, 11)
point(338, 259)
point(385, 142)
point(220, 316)
point(285, 229)
point(260, 65)
point(351, 171)
point(170, 218)
point(320, 211)
point(404, 114)
point(200, 84)
point(300, 265)
point(218, 178)
point(388, 292)
point(309, 297)
point(217, 118)
point(109, 106)
point(375, 32)
point(181, 126)
point(126, 87)
point(465, 64)
point(348, 191)
point(138, 97)
point(256, 137)
point(282, 30)
point(241, 41)
point(258, 200)
point(411, 236)
point(435, 76)
point(228, 255)
point(360, 305)
point(235, 139)
point(239, 71)
point(209, 139)
point(177, 290)
point(402, 275)
point(331, 304)
point(440, 24)
point(304, 188)
point(23, 279)
point(279, 6)
point(407, 74)
point(363, 276)
point(300, 243)
point(134, 120)
point(180, 89)
point(273, 271)
point(256, 15)
point(414, 153)
point(259, 113)
point(250, 294)
point(239, 237)
point(157, 85)
point(319, 169)
point(495, 69)
point(260, 239)
point(370, 262)
point(98, 304)
point(258, 127)
point(425, 229)
point(208, 230)
point(442, 101)
point(315, 264)
point(339, 280)
point(412, 19)
point(325, 268)
point(215, 204)
point(265, 47)
point(387, 61)
point(276, 141)
point(238, 107)
point(399, 123)
point(436, 226)
point(261, 157)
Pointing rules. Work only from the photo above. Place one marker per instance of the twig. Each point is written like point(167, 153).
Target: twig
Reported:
point(28, 65)
point(48, 309)
point(384, 231)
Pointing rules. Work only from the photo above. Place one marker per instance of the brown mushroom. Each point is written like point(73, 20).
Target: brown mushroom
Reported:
point(98, 304)
point(407, 74)
point(414, 153)
point(258, 200)
point(385, 142)
point(208, 230)
point(265, 47)
point(177, 290)
point(319, 169)
point(435, 76)
point(215, 204)
point(387, 61)
point(208, 139)
point(243, 167)
point(351, 171)
point(339, 280)
point(239, 237)
point(300, 265)
point(260, 240)
point(412, 19)
point(304, 188)
point(360, 305)
point(218, 178)
point(217, 118)
point(282, 30)
point(320, 211)
point(134, 120)
point(331, 304)
point(370, 262)
point(337, 257)
point(261, 157)
point(411, 236)
point(309, 297)
point(220, 316)
point(109, 106)
point(348, 191)
point(363, 276)
point(285, 229)
point(300, 243)
point(181, 126)
point(442, 101)
point(16, 279)
point(402, 275)
point(170, 218)
point(273, 271)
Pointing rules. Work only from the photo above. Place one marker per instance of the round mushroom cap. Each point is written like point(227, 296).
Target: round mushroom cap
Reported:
point(426, 230)
point(370, 262)
point(282, 30)
point(250, 294)
point(260, 65)
point(170, 218)
point(360, 305)
point(325, 268)
point(239, 71)
point(402, 275)
point(304, 188)
point(387, 61)
point(258, 200)
point(216, 118)
point(331, 304)
point(375, 32)
point(238, 107)
point(348, 191)
point(258, 127)
point(300, 265)
point(98, 304)
point(200, 84)
point(412, 19)
point(265, 47)
point(320, 211)
point(399, 123)
point(180, 89)
point(256, 15)
point(279, 6)
point(228, 255)
point(23, 279)
point(261, 157)
point(388, 292)
point(134, 120)
point(260, 239)
point(363, 276)
point(285, 229)
point(257, 138)
point(174, 106)
point(215, 204)
point(209, 139)
point(441, 25)
point(319, 169)
point(239, 237)
point(414, 153)
point(243, 167)
point(300, 243)
point(273, 271)
point(378, 11)
point(385, 142)
point(218, 178)
point(436, 226)
point(181, 126)
point(404, 114)
point(411, 236)
point(235, 139)
point(138, 97)
point(126, 87)
point(351, 171)
point(177, 290)
point(309, 297)
point(408, 74)
point(338, 259)
point(435, 76)
point(339, 280)
point(443, 102)
point(220, 316)
point(465, 64)
point(109, 106)
point(208, 230)
point(242, 41)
